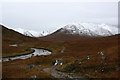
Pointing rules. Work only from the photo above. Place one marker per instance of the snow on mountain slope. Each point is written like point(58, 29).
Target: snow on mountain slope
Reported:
point(90, 29)
point(27, 33)
point(31, 33)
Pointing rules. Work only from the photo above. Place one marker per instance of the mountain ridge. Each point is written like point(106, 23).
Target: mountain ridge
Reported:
point(81, 31)
point(89, 29)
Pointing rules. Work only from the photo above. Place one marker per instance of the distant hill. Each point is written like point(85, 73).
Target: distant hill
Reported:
point(9, 35)
point(82, 31)
point(31, 33)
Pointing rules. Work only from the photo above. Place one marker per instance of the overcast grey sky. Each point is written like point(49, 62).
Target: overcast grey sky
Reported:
point(41, 16)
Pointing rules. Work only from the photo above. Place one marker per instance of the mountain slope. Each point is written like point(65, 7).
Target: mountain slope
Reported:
point(82, 31)
point(31, 33)
point(91, 29)
point(62, 36)
point(27, 33)
point(9, 35)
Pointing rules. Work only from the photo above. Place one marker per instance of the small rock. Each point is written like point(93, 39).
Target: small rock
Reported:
point(39, 69)
point(118, 69)
point(98, 53)
point(39, 65)
point(9, 59)
point(56, 62)
point(103, 58)
point(95, 70)
point(30, 66)
point(87, 57)
point(32, 54)
point(63, 50)
point(80, 63)
point(15, 45)
point(105, 63)
point(102, 53)
point(61, 63)
point(75, 61)
point(102, 70)
point(33, 77)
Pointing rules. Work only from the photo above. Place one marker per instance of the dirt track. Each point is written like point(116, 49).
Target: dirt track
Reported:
point(61, 75)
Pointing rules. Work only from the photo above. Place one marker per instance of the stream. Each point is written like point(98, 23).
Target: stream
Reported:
point(37, 52)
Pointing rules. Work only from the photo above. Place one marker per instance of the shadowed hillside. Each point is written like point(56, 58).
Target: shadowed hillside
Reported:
point(9, 35)
point(65, 36)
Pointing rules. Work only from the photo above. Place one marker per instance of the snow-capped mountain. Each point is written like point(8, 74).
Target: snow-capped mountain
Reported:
point(31, 33)
point(82, 29)
point(27, 33)
point(90, 29)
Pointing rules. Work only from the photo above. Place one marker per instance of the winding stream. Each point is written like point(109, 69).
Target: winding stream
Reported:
point(37, 52)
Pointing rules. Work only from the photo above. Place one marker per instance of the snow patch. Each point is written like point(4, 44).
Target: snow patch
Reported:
point(91, 29)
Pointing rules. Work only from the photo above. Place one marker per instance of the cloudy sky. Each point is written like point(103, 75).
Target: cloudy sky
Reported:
point(41, 16)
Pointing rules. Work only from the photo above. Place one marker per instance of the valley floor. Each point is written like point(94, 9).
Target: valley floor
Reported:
point(95, 58)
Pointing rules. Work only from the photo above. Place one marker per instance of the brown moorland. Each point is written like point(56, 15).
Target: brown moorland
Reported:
point(91, 57)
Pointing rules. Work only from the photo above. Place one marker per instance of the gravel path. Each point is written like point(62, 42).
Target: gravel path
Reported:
point(61, 75)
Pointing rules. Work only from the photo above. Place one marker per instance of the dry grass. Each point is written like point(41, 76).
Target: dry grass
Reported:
point(75, 52)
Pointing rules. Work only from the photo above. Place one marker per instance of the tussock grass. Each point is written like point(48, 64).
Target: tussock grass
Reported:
point(27, 51)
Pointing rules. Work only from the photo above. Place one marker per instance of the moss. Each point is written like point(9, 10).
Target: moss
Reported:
point(67, 68)
point(27, 51)
point(37, 62)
